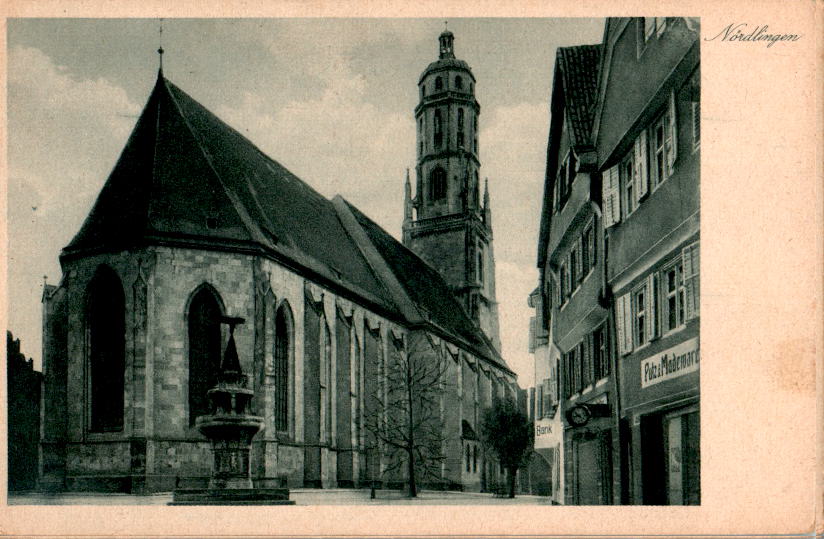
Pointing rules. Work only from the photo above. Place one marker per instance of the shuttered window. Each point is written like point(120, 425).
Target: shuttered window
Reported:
point(639, 322)
point(623, 323)
point(689, 256)
point(611, 198)
point(640, 167)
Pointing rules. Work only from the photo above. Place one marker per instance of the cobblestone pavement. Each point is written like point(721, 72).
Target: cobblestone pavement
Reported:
point(301, 497)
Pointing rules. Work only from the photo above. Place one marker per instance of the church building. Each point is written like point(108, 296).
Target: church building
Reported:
point(195, 224)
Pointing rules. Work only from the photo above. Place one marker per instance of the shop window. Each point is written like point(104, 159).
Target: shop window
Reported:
point(474, 459)
point(106, 326)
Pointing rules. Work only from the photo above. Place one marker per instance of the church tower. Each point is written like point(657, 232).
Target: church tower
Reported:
point(446, 221)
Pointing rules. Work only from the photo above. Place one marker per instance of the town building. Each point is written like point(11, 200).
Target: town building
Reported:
point(574, 389)
point(647, 133)
point(23, 419)
point(195, 224)
point(616, 325)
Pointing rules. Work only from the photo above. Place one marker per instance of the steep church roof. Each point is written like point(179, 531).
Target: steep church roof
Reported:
point(187, 179)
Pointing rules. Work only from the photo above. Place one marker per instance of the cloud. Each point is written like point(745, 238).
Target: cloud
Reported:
point(337, 142)
point(65, 134)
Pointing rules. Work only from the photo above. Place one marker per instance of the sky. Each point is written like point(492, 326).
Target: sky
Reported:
point(330, 99)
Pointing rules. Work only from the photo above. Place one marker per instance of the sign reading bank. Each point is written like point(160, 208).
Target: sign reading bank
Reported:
point(671, 363)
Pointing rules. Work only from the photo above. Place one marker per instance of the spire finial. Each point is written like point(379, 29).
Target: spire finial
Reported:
point(445, 26)
point(160, 50)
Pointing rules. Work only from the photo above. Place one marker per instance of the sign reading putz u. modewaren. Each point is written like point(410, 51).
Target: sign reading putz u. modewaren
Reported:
point(671, 363)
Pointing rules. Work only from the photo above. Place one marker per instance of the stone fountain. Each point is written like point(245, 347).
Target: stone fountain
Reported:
point(230, 428)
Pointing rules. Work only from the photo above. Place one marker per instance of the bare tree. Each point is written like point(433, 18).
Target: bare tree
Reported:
point(404, 415)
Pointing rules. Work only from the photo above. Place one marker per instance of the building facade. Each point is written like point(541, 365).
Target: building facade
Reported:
point(647, 133)
point(195, 224)
point(572, 270)
point(618, 262)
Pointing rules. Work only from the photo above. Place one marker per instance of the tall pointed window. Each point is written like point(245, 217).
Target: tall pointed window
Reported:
point(325, 381)
point(283, 353)
point(460, 128)
point(106, 319)
point(204, 349)
point(438, 138)
point(480, 265)
point(437, 184)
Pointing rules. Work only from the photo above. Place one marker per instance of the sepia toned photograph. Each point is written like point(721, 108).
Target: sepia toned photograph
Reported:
point(289, 261)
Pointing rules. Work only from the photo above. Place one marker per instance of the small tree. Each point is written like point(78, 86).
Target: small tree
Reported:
point(404, 415)
point(507, 431)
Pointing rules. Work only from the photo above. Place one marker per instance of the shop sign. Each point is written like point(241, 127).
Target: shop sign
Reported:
point(543, 434)
point(672, 363)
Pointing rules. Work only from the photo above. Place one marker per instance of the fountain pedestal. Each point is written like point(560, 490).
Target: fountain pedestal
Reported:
point(230, 428)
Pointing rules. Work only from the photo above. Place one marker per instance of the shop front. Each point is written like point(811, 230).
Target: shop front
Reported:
point(660, 425)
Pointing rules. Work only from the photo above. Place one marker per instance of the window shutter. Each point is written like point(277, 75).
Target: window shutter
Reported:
point(660, 25)
point(642, 177)
point(651, 307)
point(610, 197)
point(628, 314)
point(673, 127)
point(690, 260)
point(623, 314)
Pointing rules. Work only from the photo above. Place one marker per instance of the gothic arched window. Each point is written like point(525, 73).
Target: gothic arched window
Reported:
point(204, 349)
point(325, 383)
point(438, 128)
point(460, 127)
point(106, 325)
point(283, 356)
point(438, 83)
point(437, 184)
point(459, 82)
point(477, 190)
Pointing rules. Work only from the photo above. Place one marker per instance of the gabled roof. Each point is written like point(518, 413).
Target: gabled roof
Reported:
point(577, 68)
point(185, 178)
point(574, 96)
